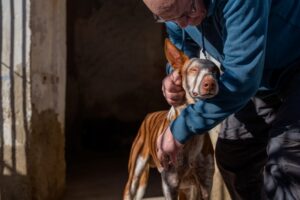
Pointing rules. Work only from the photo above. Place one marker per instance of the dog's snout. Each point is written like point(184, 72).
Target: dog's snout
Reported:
point(208, 83)
point(195, 94)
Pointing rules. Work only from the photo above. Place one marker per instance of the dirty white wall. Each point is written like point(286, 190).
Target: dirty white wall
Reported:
point(32, 94)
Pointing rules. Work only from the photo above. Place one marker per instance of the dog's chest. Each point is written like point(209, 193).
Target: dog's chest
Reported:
point(191, 160)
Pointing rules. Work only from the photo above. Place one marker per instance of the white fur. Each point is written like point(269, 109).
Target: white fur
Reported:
point(140, 164)
point(140, 193)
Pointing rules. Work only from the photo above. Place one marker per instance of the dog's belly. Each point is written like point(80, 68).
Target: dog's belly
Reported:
point(157, 123)
point(196, 167)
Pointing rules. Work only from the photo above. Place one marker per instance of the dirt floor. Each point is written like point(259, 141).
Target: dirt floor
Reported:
point(99, 176)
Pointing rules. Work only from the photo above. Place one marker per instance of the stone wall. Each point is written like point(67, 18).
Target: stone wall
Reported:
point(32, 94)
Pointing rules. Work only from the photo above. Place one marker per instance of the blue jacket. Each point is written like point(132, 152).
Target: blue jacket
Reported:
point(254, 40)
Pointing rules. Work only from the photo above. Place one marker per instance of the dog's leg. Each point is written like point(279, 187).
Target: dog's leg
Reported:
point(170, 184)
point(138, 159)
point(143, 183)
point(139, 174)
point(195, 193)
point(204, 168)
point(182, 195)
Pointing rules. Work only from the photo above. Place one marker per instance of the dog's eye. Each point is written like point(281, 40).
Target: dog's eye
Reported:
point(193, 70)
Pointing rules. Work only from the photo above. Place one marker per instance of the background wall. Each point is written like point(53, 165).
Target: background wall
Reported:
point(32, 99)
point(115, 68)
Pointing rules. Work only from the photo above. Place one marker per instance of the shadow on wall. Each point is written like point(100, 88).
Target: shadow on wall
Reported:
point(108, 135)
point(115, 68)
point(13, 106)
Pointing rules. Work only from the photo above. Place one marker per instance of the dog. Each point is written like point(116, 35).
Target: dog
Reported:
point(191, 177)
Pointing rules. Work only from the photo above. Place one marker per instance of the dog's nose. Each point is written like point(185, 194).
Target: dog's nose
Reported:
point(195, 94)
point(208, 83)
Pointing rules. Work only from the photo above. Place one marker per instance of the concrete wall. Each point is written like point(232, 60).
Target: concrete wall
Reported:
point(32, 94)
point(48, 78)
point(116, 63)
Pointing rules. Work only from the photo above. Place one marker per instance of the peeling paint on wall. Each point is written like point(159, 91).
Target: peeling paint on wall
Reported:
point(32, 165)
point(46, 154)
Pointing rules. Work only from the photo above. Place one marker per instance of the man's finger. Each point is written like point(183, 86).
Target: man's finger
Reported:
point(173, 103)
point(175, 96)
point(175, 89)
point(171, 86)
point(175, 99)
point(176, 78)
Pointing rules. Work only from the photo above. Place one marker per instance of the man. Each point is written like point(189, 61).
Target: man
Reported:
point(258, 45)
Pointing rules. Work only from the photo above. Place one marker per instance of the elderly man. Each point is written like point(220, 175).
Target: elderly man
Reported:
point(258, 45)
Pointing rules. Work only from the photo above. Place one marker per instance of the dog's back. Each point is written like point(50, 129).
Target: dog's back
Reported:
point(142, 154)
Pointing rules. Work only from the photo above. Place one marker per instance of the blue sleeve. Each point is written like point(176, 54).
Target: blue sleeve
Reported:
point(244, 35)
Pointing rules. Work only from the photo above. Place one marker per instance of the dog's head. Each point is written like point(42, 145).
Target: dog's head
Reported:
point(199, 76)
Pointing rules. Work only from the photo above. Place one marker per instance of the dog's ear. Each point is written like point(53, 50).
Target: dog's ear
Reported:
point(174, 56)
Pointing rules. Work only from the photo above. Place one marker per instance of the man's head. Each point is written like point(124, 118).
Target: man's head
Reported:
point(183, 12)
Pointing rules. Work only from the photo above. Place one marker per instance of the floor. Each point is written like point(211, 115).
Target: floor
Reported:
point(99, 172)
point(102, 176)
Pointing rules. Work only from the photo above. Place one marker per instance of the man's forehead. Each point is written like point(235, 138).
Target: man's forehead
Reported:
point(164, 8)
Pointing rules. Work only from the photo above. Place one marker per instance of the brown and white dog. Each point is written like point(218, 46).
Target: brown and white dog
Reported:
point(191, 178)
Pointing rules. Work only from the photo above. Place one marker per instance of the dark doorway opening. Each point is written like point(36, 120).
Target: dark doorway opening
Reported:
point(115, 64)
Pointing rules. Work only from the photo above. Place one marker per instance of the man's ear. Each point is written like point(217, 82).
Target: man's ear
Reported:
point(174, 56)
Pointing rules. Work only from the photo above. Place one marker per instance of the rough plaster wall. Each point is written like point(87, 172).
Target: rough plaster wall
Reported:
point(119, 59)
point(32, 94)
point(48, 65)
point(47, 154)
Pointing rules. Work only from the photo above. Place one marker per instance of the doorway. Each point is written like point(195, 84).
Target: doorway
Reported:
point(115, 64)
